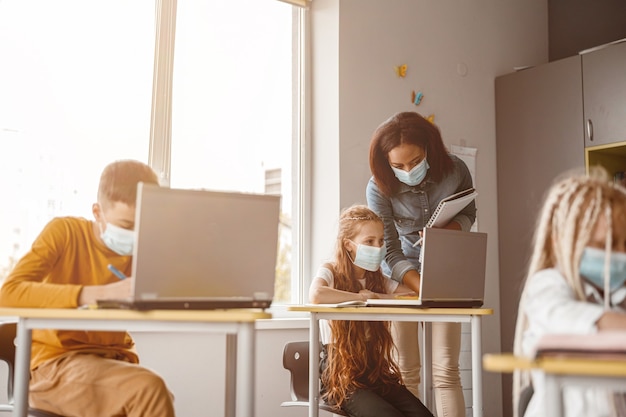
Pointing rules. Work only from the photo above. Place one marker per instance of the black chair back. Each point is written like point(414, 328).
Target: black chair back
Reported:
point(296, 361)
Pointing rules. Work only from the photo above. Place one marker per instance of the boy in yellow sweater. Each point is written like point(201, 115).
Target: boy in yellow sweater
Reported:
point(87, 373)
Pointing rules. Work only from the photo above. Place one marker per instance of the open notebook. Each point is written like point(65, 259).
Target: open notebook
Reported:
point(199, 249)
point(452, 272)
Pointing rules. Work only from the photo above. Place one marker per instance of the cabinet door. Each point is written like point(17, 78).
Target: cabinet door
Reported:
point(539, 135)
point(604, 89)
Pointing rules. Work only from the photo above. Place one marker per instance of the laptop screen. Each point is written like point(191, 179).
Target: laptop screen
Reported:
point(453, 265)
point(204, 244)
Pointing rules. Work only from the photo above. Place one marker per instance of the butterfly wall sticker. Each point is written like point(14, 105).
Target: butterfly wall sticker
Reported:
point(401, 70)
point(431, 118)
point(416, 98)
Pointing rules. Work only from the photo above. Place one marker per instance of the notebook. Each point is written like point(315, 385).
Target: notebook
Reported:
point(199, 249)
point(452, 272)
point(450, 207)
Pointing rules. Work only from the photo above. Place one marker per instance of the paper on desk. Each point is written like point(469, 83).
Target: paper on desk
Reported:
point(603, 344)
point(354, 303)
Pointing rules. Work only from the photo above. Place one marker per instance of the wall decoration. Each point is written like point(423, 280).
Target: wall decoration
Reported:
point(401, 70)
point(416, 98)
point(431, 118)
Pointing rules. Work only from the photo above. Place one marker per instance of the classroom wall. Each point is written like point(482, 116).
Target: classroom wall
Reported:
point(193, 366)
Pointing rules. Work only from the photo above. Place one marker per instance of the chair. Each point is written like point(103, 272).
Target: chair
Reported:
point(7, 354)
point(524, 399)
point(296, 361)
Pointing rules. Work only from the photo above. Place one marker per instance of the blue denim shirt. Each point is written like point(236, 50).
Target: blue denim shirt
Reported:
point(408, 211)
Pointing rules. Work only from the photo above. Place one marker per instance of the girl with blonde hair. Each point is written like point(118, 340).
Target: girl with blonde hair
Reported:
point(359, 374)
point(575, 281)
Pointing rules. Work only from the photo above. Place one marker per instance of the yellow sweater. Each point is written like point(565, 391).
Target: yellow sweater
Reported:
point(63, 258)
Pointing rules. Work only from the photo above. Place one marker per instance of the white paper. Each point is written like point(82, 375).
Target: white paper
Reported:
point(468, 155)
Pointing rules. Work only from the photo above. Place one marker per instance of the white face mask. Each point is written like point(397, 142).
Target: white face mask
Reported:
point(592, 268)
point(118, 239)
point(369, 257)
point(414, 176)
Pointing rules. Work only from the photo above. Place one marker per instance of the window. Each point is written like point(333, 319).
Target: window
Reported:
point(74, 95)
point(76, 92)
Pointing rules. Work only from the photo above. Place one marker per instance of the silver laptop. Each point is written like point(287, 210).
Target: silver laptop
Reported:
point(199, 249)
point(452, 272)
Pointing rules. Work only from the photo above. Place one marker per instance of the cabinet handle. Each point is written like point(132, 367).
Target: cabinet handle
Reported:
point(590, 130)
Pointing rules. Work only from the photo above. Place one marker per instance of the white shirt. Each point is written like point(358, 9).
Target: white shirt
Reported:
point(551, 306)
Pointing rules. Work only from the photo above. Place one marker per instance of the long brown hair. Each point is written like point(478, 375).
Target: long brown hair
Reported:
point(360, 353)
point(407, 128)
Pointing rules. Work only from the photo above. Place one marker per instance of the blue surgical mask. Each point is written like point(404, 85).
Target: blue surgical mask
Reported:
point(415, 175)
point(592, 267)
point(369, 257)
point(118, 239)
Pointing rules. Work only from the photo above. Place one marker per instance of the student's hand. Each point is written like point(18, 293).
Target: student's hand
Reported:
point(366, 294)
point(119, 289)
point(91, 293)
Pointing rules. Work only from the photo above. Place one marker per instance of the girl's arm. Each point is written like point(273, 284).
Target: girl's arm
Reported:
point(612, 320)
point(321, 293)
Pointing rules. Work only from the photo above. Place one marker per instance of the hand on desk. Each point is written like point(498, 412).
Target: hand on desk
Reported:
point(367, 294)
point(91, 293)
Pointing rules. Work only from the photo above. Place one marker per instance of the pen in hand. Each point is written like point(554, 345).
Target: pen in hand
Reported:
point(116, 271)
point(419, 241)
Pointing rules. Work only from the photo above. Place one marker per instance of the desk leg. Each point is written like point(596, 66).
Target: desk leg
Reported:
point(314, 356)
point(22, 369)
point(231, 375)
point(477, 367)
point(427, 364)
point(245, 370)
point(553, 399)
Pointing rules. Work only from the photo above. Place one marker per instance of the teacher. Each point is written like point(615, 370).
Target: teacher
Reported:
point(411, 173)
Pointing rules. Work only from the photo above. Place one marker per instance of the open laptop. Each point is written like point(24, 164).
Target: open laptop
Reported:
point(199, 249)
point(452, 272)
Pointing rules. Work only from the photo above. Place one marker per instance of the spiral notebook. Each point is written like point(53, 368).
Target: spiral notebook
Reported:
point(450, 207)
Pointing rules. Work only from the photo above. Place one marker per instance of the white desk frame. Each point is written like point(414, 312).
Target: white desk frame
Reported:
point(589, 373)
point(238, 325)
point(426, 315)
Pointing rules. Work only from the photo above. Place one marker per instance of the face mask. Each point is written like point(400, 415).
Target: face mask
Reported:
point(369, 257)
point(119, 240)
point(414, 176)
point(592, 267)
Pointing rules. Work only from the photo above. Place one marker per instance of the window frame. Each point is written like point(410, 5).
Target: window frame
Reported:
point(161, 124)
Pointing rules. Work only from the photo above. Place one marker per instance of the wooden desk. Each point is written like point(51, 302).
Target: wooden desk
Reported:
point(562, 371)
point(427, 315)
point(237, 324)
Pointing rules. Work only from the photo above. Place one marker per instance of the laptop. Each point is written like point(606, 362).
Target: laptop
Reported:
point(452, 272)
point(200, 249)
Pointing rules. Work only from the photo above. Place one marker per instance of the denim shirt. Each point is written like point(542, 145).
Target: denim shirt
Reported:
point(407, 212)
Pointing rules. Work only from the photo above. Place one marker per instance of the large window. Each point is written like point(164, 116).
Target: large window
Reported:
point(77, 90)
